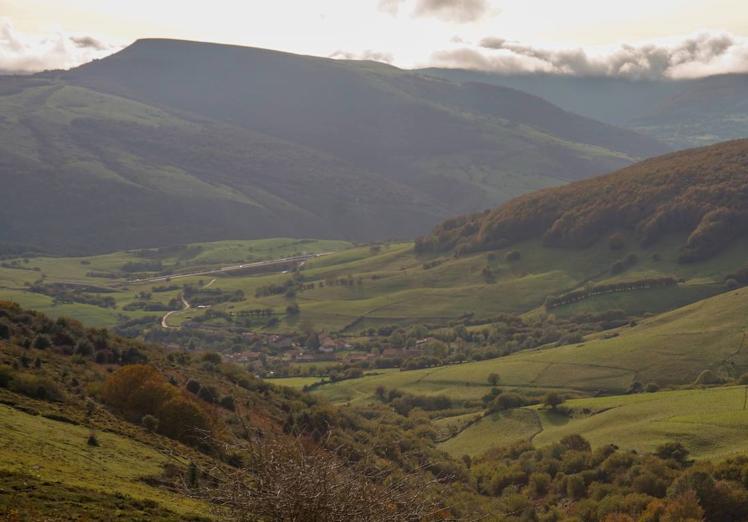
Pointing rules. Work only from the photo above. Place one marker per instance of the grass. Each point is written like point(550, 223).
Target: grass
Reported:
point(669, 349)
point(55, 452)
point(498, 429)
point(710, 422)
point(14, 282)
point(294, 382)
point(391, 284)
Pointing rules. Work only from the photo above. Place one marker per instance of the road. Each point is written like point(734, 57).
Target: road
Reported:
point(234, 268)
point(186, 306)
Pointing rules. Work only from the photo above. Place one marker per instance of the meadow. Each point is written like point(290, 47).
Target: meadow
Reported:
point(710, 422)
point(359, 287)
point(57, 454)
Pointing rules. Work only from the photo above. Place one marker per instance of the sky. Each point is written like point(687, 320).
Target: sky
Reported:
point(636, 38)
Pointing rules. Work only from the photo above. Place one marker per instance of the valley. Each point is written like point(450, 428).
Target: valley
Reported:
point(246, 284)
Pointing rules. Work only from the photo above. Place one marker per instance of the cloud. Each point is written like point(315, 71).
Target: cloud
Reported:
point(460, 11)
point(699, 55)
point(375, 56)
point(390, 6)
point(453, 10)
point(22, 53)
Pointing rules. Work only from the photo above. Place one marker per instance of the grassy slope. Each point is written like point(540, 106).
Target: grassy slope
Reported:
point(669, 349)
point(57, 452)
point(294, 158)
point(395, 287)
point(76, 269)
point(710, 422)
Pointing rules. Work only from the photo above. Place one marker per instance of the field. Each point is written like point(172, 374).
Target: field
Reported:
point(710, 422)
point(669, 349)
point(356, 288)
point(56, 454)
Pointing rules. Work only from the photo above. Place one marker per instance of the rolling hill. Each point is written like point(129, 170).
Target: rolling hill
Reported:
point(170, 142)
point(683, 113)
point(699, 193)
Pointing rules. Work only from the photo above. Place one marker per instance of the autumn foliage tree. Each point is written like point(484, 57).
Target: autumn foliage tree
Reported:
point(139, 390)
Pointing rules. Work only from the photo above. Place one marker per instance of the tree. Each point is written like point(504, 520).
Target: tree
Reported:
point(312, 342)
point(575, 442)
point(553, 400)
point(673, 451)
point(42, 342)
point(513, 256)
point(493, 379)
point(4, 331)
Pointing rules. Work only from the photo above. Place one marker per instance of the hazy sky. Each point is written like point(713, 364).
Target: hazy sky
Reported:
point(636, 37)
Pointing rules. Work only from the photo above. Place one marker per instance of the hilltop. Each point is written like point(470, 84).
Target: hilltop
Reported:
point(699, 193)
point(169, 142)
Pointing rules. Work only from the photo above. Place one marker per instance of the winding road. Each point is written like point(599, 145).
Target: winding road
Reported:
point(186, 305)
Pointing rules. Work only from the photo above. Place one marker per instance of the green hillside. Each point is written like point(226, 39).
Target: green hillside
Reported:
point(670, 349)
point(710, 422)
point(162, 144)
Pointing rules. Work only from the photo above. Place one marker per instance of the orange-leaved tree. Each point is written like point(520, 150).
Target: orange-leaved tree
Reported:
point(138, 390)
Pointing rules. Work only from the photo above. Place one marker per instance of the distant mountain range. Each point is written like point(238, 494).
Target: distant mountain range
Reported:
point(682, 113)
point(172, 141)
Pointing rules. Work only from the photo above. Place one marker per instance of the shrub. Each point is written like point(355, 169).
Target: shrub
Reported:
point(228, 403)
point(207, 394)
point(493, 379)
point(6, 375)
point(92, 440)
point(731, 284)
point(673, 451)
point(553, 400)
point(193, 386)
point(507, 401)
point(212, 357)
point(36, 387)
point(4, 331)
point(575, 487)
point(84, 347)
point(575, 442)
point(743, 379)
point(513, 256)
point(42, 342)
point(150, 423)
point(539, 484)
point(182, 419)
point(651, 387)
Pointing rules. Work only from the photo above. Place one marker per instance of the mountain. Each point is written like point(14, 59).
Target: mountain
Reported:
point(172, 141)
point(683, 113)
point(701, 194)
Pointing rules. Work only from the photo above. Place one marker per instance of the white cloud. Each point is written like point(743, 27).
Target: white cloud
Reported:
point(698, 55)
point(374, 56)
point(460, 11)
point(22, 53)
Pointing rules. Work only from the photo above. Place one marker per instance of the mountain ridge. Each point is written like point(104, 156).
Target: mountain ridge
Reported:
point(171, 142)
